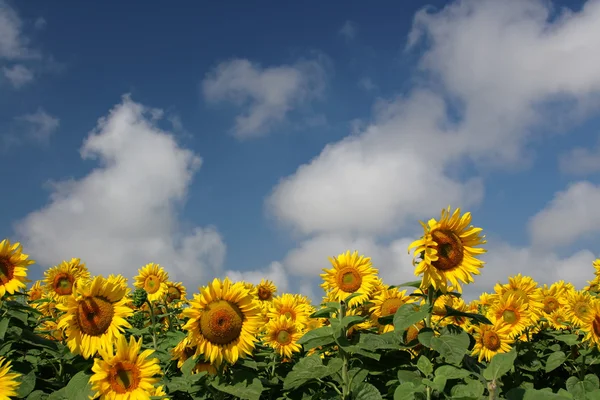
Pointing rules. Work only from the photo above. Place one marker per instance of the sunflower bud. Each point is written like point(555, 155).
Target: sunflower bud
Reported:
point(139, 297)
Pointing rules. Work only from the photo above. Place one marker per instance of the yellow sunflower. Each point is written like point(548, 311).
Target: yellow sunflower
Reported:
point(282, 334)
point(127, 373)
point(387, 303)
point(591, 326)
point(596, 265)
point(578, 308)
point(175, 291)
point(61, 279)
point(491, 340)
point(265, 290)
point(49, 330)
point(224, 321)
point(8, 380)
point(524, 288)
point(95, 316)
point(153, 279)
point(557, 320)
point(13, 268)
point(512, 311)
point(553, 298)
point(290, 306)
point(351, 273)
point(36, 292)
point(447, 251)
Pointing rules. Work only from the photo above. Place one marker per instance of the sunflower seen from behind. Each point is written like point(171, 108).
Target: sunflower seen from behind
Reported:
point(13, 268)
point(153, 279)
point(350, 274)
point(176, 292)
point(95, 315)
point(61, 279)
point(9, 381)
point(127, 373)
point(224, 320)
point(282, 335)
point(447, 251)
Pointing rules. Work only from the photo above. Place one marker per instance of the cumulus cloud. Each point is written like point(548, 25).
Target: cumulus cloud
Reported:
point(124, 213)
point(367, 84)
point(348, 30)
point(580, 161)
point(18, 75)
point(572, 214)
point(493, 72)
point(38, 126)
point(266, 95)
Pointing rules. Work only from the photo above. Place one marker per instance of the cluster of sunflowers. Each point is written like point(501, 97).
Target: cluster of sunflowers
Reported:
point(226, 320)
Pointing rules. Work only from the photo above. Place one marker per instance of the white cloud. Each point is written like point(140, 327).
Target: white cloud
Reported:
point(367, 84)
point(266, 95)
point(580, 161)
point(13, 44)
point(18, 75)
point(571, 215)
point(123, 213)
point(275, 272)
point(349, 30)
point(38, 126)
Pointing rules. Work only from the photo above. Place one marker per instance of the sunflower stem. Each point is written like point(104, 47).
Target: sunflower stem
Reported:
point(344, 356)
point(153, 328)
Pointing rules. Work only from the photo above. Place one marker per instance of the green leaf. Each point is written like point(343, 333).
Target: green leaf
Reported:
point(500, 364)
point(324, 312)
point(309, 368)
point(317, 337)
point(576, 387)
point(425, 336)
point(555, 360)
point(188, 366)
point(357, 376)
point(591, 382)
point(351, 320)
point(3, 327)
point(37, 395)
point(406, 316)
point(415, 284)
point(478, 318)
point(425, 366)
point(366, 391)
point(439, 383)
point(409, 376)
point(451, 347)
point(352, 296)
point(58, 395)
point(27, 384)
point(472, 390)
point(79, 387)
point(244, 386)
point(405, 391)
point(571, 340)
point(451, 372)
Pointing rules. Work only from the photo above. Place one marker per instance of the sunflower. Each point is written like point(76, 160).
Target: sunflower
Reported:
point(459, 305)
point(557, 320)
point(175, 291)
point(512, 311)
point(61, 279)
point(13, 268)
point(265, 290)
point(524, 288)
point(36, 292)
point(578, 308)
point(282, 334)
point(592, 325)
point(491, 340)
point(49, 330)
point(593, 285)
point(447, 251)
point(596, 265)
point(553, 298)
point(127, 373)
point(224, 321)
point(291, 306)
point(387, 303)
point(153, 279)
point(8, 380)
point(95, 315)
point(47, 306)
point(351, 273)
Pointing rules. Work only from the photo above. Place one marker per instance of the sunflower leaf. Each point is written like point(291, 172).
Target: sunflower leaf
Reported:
point(476, 318)
point(555, 360)
point(450, 346)
point(317, 337)
point(310, 368)
point(324, 312)
point(500, 364)
point(414, 284)
point(406, 315)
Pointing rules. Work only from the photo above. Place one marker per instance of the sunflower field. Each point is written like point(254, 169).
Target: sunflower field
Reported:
point(76, 336)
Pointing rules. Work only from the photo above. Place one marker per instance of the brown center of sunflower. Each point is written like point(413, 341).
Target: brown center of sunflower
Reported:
point(550, 304)
point(449, 248)
point(582, 309)
point(264, 293)
point(284, 337)
point(35, 294)
point(152, 284)
point(390, 306)
point(596, 325)
point(173, 294)
point(491, 340)
point(221, 322)
point(63, 284)
point(124, 377)
point(349, 280)
point(7, 270)
point(510, 316)
point(94, 315)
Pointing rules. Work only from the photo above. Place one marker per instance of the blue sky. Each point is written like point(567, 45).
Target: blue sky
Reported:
point(288, 135)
